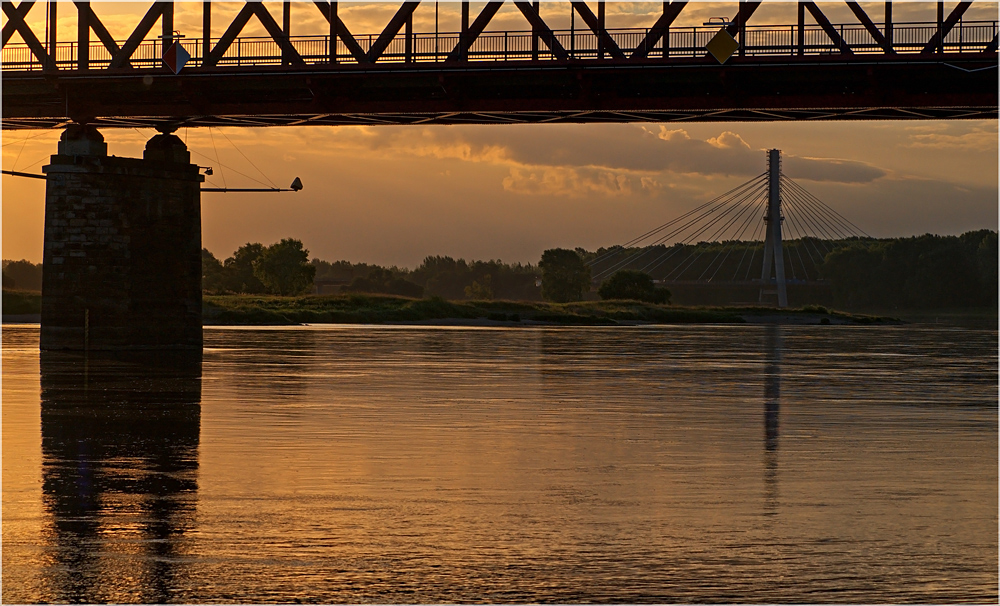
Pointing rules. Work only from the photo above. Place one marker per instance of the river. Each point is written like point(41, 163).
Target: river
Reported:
point(450, 464)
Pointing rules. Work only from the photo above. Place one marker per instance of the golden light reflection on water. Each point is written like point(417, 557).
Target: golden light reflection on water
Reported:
point(415, 464)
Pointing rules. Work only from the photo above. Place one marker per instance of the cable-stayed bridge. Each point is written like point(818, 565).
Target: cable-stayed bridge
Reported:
point(768, 232)
point(871, 67)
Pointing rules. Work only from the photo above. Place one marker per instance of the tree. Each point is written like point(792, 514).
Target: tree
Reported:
point(25, 274)
point(565, 277)
point(240, 276)
point(213, 275)
point(283, 268)
point(633, 284)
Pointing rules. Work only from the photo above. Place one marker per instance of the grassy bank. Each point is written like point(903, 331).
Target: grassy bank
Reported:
point(377, 309)
point(380, 309)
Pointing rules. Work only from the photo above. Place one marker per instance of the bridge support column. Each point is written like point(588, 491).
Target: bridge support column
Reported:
point(121, 267)
point(773, 252)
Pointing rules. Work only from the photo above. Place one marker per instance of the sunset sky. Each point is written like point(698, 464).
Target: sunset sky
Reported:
point(392, 195)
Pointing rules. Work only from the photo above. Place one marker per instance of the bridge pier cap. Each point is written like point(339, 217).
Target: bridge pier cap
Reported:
point(85, 140)
point(82, 140)
point(166, 147)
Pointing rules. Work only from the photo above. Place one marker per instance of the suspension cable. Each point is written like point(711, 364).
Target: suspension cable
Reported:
point(827, 207)
point(715, 204)
point(747, 210)
point(653, 265)
point(646, 235)
point(736, 241)
point(751, 246)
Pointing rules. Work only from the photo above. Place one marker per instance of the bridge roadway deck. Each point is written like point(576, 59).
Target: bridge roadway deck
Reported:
point(766, 82)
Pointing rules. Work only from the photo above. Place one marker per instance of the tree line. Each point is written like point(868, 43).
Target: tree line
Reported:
point(921, 272)
point(437, 276)
point(726, 261)
point(912, 273)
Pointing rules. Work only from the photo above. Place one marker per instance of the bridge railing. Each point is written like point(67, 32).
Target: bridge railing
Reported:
point(965, 36)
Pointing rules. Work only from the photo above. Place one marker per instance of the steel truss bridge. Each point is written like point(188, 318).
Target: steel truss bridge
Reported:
point(812, 69)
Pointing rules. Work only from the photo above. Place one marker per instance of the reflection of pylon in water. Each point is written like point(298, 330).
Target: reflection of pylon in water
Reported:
point(773, 253)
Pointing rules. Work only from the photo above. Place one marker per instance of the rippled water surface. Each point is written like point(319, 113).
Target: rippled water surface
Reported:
point(412, 464)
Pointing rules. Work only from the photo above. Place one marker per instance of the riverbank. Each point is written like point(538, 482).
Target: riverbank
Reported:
point(239, 310)
point(380, 309)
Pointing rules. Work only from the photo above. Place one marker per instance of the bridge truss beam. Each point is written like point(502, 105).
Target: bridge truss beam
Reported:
point(891, 87)
point(162, 10)
point(614, 77)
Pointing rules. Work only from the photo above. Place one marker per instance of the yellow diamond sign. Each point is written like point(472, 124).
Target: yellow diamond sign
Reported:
point(722, 46)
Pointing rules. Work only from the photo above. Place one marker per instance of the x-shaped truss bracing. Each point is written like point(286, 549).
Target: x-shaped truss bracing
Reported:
point(608, 47)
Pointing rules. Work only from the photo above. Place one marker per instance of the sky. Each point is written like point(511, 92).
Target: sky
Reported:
point(395, 194)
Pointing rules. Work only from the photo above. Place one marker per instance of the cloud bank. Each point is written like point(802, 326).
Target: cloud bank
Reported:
point(614, 160)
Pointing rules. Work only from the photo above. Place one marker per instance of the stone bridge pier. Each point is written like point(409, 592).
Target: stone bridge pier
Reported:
point(121, 266)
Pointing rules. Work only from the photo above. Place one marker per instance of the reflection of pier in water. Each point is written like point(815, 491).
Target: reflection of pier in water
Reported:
point(120, 459)
point(772, 403)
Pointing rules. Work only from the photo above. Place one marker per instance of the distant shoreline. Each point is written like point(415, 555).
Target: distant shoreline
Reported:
point(384, 309)
point(783, 319)
point(254, 310)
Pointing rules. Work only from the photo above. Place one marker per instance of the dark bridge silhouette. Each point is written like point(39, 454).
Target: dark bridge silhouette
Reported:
point(812, 69)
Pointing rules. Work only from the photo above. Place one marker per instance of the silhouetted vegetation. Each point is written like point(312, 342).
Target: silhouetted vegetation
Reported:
point(728, 261)
point(921, 272)
point(455, 279)
point(345, 271)
point(924, 272)
point(281, 268)
point(437, 276)
point(635, 285)
point(916, 273)
point(21, 302)
point(383, 281)
point(23, 275)
point(565, 276)
point(213, 275)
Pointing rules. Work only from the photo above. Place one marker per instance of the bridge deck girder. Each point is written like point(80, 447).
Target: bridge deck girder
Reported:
point(756, 89)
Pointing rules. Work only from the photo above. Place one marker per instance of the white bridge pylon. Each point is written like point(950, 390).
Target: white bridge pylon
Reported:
point(774, 255)
point(718, 242)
